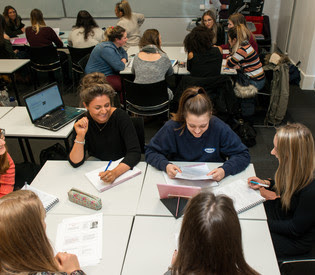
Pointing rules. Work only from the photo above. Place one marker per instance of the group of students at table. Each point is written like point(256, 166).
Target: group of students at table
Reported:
point(193, 134)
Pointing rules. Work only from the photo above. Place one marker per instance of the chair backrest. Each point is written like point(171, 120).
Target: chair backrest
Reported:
point(83, 61)
point(146, 96)
point(44, 56)
point(78, 53)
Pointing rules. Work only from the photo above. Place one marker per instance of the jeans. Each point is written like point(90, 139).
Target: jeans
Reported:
point(259, 84)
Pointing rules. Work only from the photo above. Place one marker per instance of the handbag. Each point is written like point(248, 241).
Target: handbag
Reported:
point(84, 199)
point(243, 88)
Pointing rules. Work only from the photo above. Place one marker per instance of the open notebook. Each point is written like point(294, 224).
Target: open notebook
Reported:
point(242, 195)
point(48, 200)
point(101, 186)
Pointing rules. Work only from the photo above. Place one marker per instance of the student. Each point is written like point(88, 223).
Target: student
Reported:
point(151, 64)
point(193, 134)
point(208, 20)
point(14, 25)
point(210, 239)
point(24, 246)
point(130, 21)
point(40, 35)
point(244, 57)
point(237, 19)
point(6, 50)
point(109, 57)
point(85, 33)
point(204, 58)
point(7, 168)
point(106, 133)
point(290, 196)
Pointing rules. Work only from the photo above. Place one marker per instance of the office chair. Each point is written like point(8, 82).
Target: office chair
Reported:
point(146, 99)
point(83, 61)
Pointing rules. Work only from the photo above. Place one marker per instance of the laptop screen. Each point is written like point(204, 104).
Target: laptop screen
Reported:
point(43, 102)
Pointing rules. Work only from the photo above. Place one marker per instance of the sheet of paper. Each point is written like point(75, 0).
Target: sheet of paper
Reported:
point(81, 236)
point(194, 172)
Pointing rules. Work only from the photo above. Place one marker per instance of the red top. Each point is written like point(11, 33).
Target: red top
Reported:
point(251, 41)
point(45, 37)
point(7, 180)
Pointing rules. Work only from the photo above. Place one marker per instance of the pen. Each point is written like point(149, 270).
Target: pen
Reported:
point(177, 207)
point(261, 184)
point(108, 165)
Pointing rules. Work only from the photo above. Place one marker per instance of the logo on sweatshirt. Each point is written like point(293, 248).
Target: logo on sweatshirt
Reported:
point(209, 150)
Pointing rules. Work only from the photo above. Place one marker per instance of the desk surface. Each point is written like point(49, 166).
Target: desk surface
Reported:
point(116, 230)
point(4, 110)
point(152, 244)
point(150, 204)
point(9, 66)
point(58, 177)
point(17, 123)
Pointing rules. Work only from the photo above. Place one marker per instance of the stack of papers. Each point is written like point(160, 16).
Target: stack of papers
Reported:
point(81, 236)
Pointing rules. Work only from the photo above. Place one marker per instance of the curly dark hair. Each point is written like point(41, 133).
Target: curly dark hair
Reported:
point(199, 40)
point(85, 20)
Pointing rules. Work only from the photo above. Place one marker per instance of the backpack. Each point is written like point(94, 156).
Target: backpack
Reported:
point(246, 132)
point(54, 152)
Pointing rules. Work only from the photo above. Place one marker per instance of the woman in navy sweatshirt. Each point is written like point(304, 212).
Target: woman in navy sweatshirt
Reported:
point(194, 134)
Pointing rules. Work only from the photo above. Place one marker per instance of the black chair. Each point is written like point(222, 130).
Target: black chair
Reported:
point(46, 60)
point(83, 61)
point(138, 123)
point(146, 99)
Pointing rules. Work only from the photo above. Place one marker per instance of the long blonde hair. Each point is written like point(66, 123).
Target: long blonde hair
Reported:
point(37, 20)
point(295, 151)
point(242, 35)
point(125, 8)
point(24, 246)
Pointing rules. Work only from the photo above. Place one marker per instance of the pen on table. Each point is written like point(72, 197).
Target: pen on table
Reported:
point(261, 184)
point(108, 165)
point(177, 207)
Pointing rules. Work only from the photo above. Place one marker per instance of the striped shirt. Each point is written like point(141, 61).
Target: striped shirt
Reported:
point(247, 58)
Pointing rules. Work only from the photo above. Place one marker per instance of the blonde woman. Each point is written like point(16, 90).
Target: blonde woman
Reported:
point(24, 246)
point(130, 21)
point(291, 196)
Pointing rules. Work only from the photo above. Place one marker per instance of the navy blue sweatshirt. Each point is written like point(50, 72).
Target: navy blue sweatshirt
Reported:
point(217, 144)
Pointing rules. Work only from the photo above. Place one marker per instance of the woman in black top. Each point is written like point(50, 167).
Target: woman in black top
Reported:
point(14, 25)
point(6, 50)
point(290, 197)
point(204, 59)
point(106, 133)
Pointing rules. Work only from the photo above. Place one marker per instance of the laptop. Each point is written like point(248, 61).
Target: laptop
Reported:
point(47, 110)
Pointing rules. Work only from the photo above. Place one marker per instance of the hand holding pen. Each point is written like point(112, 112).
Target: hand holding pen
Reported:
point(257, 183)
point(108, 175)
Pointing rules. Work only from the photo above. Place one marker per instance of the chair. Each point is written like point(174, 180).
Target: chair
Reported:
point(45, 59)
point(83, 61)
point(138, 123)
point(146, 99)
point(76, 55)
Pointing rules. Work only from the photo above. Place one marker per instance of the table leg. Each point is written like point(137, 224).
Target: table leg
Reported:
point(12, 76)
point(29, 149)
point(23, 149)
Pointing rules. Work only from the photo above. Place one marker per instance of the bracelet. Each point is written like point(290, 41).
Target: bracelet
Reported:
point(80, 142)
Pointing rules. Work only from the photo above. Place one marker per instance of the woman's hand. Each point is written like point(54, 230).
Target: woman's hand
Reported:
point(217, 174)
point(256, 186)
point(108, 176)
point(67, 262)
point(172, 170)
point(174, 256)
point(81, 127)
point(124, 60)
point(268, 195)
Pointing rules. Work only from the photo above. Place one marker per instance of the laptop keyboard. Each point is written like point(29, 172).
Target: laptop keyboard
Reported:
point(60, 117)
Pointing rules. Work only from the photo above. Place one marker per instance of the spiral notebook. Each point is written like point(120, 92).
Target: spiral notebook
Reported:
point(242, 195)
point(48, 200)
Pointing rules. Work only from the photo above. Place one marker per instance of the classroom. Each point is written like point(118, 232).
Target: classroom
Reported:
point(219, 157)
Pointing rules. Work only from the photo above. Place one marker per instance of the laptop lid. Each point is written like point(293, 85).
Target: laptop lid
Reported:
point(43, 101)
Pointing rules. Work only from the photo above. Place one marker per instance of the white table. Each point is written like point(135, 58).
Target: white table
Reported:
point(17, 124)
point(4, 110)
point(116, 230)
point(152, 244)
point(10, 66)
point(151, 205)
point(58, 177)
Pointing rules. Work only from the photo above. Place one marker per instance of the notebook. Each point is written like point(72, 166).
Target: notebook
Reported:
point(47, 110)
point(48, 200)
point(101, 186)
point(242, 195)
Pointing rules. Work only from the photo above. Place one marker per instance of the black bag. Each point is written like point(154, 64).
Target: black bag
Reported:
point(246, 132)
point(54, 152)
point(25, 172)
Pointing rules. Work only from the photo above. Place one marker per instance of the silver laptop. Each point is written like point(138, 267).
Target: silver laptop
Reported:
point(47, 110)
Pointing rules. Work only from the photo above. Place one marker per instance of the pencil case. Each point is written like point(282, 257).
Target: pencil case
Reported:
point(84, 199)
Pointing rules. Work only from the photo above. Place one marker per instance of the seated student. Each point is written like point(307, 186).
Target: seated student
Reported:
point(14, 25)
point(6, 50)
point(7, 168)
point(85, 33)
point(244, 57)
point(24, 246)
point(109, 57)
point(290, 196)
point(208, 20)
point(210, 239)
point(193, 134)
point(130, 21)
point(40, 35)
point(106, 133)
point(151, 64)
point(204, 59)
